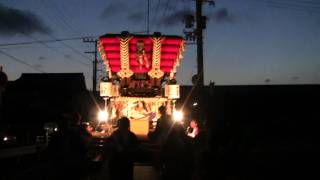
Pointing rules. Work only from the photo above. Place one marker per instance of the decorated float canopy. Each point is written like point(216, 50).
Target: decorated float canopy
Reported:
point(127, 54)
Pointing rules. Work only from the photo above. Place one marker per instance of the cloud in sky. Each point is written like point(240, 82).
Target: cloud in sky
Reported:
point(137, 16)
point(175, 17)
point(15, 21)
point(136, 11)
point(113, 8)
point(41, 58)
point(67, 56)
point(222, 15)
point(37, 66)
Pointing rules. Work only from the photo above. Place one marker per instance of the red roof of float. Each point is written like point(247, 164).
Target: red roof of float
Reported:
point(171, 51)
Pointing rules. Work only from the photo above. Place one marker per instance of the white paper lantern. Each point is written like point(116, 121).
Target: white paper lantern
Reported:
point(172, 91)
point(106, 89)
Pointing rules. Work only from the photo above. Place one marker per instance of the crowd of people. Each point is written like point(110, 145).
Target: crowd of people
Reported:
point(73, 152)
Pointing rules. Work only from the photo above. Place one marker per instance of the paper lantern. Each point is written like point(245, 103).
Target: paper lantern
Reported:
point(106, 89)
point(172, 91)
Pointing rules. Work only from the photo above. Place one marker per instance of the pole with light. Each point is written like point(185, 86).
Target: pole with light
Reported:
point(172, 92)
point(108, 90)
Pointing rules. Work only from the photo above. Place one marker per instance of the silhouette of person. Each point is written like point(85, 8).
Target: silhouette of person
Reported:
point(125, 144)
point(68, 148)
point(176, 154)
point(163, 125)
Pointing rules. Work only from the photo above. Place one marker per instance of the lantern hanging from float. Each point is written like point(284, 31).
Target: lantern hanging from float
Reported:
point(172, 91)
point(108, 89)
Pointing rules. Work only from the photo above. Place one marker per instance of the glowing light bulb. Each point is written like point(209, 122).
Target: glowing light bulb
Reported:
point(177, 116)
point(103, 115)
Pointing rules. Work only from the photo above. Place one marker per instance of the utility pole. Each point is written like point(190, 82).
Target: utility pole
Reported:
point(201, 24)
point(192, 34)
point(199, 35)
point(94, 62)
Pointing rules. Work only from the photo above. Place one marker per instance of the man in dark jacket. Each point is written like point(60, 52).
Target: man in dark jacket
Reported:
point(125, 144)
point(164, 124)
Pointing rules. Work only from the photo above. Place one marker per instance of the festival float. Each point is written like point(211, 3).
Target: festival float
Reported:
point(141, 77)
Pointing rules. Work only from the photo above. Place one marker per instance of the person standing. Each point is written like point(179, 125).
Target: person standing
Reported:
point(124, 145)
point(68, 149)
point(163, 126)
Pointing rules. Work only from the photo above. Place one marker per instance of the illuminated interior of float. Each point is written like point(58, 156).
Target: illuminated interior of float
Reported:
point(141, 76)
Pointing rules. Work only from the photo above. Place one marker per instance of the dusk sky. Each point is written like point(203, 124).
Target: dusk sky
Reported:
point(245, 42)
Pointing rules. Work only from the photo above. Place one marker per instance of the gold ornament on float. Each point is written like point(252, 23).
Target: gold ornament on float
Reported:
point(125, 71)
point(156, 57)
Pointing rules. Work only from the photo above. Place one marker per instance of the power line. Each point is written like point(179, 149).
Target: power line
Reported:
point(52, 16)
point(42, 43)
point(55, 50)
point(55, 40)
point(21, 61)
point(292, 6)
point(60, 7)
point(71, 30)
point(46, 41)
point(55, 14)
point(164, 12)
point(70, 47)
point(59, 14)
point(302, 2)
point(66, 20)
